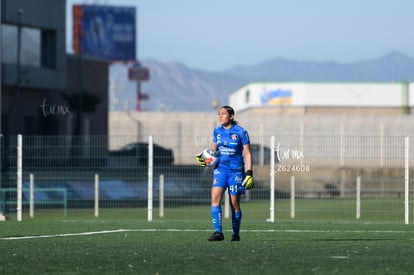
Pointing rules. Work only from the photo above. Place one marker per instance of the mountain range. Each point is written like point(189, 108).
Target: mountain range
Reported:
point(178, 88)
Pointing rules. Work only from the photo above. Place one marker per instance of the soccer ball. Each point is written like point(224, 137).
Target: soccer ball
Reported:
point(211, 157)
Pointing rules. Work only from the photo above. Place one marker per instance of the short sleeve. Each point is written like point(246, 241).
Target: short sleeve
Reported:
point(245, 137)
point(215, 135)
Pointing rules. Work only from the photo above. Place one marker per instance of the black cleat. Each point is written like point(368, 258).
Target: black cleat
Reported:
point(216, 236)
point(235, 238)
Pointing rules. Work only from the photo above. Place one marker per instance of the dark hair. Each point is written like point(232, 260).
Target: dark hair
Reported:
point(229, 110)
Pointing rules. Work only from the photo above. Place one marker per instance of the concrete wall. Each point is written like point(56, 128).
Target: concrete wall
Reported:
point(188, 133)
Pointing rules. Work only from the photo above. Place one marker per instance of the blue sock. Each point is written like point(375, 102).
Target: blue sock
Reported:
point(236, 221)
point(216, 218)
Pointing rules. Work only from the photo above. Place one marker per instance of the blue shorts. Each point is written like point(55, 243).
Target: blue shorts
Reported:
point(229, 179)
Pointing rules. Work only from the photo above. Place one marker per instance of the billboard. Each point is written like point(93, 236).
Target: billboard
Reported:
point(105, 31)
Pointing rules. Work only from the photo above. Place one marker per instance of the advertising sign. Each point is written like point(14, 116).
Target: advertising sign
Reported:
point(105, 31)
point(276, 97)
point(138, 73)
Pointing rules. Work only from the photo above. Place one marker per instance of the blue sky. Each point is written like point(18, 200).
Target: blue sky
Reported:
point(215, 35)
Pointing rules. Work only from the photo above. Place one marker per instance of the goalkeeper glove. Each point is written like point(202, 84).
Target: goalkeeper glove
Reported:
point(201, 161)
point(248, 181)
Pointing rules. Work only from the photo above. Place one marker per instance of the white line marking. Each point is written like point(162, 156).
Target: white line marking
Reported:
point(194, 230)
point(64, 235)
point(339, 257)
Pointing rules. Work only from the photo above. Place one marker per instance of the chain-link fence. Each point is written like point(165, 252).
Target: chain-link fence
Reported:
point(315, 177)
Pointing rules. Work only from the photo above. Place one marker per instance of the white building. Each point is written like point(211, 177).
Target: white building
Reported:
point(303, 97)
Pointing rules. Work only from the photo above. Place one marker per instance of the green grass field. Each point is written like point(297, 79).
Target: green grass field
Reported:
point(123, 241)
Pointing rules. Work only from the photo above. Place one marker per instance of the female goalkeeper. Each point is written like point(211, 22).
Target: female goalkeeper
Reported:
point(232, 142)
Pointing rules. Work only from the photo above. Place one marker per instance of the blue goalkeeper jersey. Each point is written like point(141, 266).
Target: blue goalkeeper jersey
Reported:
point(230, 145)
